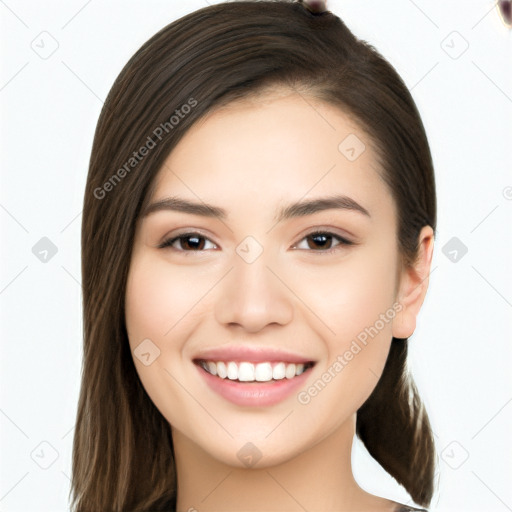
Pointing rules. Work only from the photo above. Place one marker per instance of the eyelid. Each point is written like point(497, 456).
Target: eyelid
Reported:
point(343, 241)
point(339, 233)
point(169, 240)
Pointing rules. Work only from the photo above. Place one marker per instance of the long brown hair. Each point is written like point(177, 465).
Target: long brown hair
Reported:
point(123, 452)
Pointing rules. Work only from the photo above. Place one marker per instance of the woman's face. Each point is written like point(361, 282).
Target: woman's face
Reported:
point(254, 286)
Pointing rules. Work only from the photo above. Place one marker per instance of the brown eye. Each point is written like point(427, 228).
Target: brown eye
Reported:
point(193, 243)
point(322, 241)
point(188, 242)
point(319, 241)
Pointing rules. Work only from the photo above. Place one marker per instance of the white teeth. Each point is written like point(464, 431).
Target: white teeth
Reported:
point(246, 372)
point(279, 371)
point(212, 367)
point(263, 372)
point(290, 371)
point(222, 371)
point(249, 372)
point(232, 371)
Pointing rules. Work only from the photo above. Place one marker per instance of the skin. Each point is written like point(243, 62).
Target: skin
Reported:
point(293, 296)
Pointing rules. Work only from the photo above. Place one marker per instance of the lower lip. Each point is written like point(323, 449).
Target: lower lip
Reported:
point(254, 394)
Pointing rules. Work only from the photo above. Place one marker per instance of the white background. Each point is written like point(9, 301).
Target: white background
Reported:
point(462, 351)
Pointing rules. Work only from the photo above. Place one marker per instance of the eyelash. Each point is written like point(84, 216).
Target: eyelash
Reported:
point(342, 241)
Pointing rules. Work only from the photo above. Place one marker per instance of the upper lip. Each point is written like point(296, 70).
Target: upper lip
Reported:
point(250, 355)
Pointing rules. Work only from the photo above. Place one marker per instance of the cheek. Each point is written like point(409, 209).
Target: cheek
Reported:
point(165, 304)
point(352, 295)
point(146, 305)
point(159, 300)
point(365, 294)
point(355, 303)
point(159, 307)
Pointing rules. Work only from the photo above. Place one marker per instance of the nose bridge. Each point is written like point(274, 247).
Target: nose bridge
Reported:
point(252, 296)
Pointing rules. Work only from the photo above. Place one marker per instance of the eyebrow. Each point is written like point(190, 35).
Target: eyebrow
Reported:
point(299, 209)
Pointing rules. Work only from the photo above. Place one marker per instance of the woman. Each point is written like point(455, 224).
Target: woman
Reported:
point(257, 237)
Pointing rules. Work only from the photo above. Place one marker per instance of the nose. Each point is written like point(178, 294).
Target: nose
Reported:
point(252, 297)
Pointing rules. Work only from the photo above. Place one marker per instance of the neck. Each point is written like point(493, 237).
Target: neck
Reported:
point(317, 479)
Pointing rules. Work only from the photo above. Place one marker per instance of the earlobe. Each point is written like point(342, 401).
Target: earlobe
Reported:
point(413, 286)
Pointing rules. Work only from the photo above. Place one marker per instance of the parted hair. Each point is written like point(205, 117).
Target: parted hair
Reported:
point(123, 456)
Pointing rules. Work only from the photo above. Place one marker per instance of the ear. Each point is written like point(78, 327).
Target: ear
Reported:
point(413, 286)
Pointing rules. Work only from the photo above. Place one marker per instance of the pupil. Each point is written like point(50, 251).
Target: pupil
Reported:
point(193, 242)
point(197, 243)
point(321, 240)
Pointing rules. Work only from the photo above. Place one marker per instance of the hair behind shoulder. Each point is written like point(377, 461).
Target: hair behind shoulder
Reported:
point(394, 427)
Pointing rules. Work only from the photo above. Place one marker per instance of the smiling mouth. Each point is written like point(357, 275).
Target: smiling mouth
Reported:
point(247, 372)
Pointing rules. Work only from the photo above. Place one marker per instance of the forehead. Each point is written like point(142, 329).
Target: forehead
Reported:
point(270, 147)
